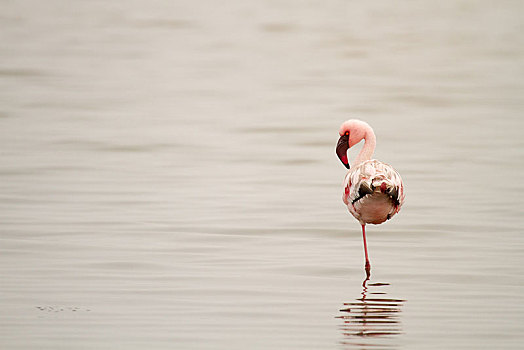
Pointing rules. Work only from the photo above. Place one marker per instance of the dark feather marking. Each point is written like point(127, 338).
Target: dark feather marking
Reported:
point(393, 193)
point(363, 190)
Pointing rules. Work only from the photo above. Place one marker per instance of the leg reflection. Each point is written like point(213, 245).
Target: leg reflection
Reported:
point(373, 319)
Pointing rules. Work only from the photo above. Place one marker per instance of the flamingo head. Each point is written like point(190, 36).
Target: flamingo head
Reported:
point(351, 132)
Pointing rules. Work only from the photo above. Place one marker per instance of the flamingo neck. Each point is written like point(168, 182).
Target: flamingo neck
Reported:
point(368, 149)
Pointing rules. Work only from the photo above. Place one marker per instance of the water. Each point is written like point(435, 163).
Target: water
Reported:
point(168, 176)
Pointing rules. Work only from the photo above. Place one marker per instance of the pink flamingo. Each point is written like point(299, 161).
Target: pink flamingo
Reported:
point(373, 191)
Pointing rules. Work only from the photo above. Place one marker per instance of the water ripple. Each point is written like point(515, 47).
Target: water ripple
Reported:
point(371, 318)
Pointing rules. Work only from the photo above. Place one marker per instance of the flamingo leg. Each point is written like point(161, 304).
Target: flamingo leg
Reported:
point(368, 266)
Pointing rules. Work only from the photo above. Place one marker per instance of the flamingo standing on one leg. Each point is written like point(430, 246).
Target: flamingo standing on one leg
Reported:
point(373, 191)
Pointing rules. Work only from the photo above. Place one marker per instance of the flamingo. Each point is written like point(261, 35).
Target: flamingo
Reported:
point(373, 190)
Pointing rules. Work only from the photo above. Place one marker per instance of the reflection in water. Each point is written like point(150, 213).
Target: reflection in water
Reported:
point(373, 319)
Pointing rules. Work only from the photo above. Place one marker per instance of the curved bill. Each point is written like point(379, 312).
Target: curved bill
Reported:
point(342, 148)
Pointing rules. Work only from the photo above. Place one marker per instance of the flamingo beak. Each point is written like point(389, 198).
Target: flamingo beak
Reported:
point(342, 148)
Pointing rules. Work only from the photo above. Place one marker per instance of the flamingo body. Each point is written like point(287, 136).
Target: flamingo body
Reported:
point(373, 192)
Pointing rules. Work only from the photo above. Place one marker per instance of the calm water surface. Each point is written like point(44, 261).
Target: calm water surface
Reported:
point(168, 177)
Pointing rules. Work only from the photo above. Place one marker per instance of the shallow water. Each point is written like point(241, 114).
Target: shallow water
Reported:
point(168, 176)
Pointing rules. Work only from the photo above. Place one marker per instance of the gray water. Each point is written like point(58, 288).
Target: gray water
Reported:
point(168, 177)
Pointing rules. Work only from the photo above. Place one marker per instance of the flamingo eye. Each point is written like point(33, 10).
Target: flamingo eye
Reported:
point(346, 133)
